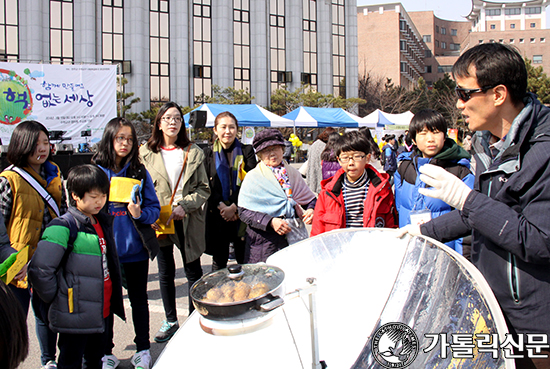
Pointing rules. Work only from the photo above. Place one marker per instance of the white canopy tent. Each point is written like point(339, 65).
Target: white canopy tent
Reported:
point(379, 118)
point(306, 116)
point(249, 115)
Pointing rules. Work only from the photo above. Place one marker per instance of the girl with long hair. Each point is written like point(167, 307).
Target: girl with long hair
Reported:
point(177, 168)
point(135, 240)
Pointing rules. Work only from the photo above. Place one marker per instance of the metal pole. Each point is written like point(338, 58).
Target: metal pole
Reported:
point(313, 323)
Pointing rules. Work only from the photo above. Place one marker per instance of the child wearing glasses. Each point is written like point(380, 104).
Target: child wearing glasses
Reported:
point(357, 195)
point(136, 242)
point(428, 130)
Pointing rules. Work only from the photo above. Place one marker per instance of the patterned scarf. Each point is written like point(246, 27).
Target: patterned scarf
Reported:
point(232, 176)
point(283, 179)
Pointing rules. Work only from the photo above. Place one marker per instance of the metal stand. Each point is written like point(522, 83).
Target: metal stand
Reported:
point(312, 307)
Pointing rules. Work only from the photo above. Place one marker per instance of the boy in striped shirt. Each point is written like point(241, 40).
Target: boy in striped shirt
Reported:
point(357, 195)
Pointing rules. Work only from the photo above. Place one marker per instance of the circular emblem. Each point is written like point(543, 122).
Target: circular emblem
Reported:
point(16, 102)
point(379, 222)
point(395, 345)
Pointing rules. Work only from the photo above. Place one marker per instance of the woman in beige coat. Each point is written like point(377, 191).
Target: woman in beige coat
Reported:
point(164, 156)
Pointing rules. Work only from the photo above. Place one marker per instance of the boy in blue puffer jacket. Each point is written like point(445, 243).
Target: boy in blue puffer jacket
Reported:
point(428, 131)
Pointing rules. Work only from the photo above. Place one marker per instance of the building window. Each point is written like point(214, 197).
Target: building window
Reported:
point(444, 69)
point(443, 30)
point(492, 12)
point(480, 41)
point(501, 40)
point(241, 44)
point(436, 29)
point(278, 43)
point(402, 25)
point(202, 50)
point(159, 50)
point(308, 79)
point(454, 46)
point(513, 25)
point(428, 69)
point(512, 11)
point(443, 45)
point(537, 59)
point(492, 26)
point(112, 33)
point(542, 39)
point(403, 67)
point(309, 32)
point(427, 38)
point(61, 31)
point(427, 53)
point(532, 40)
point(454, 32)
point(521, 40)
point(533, 10)
point(338, 48)
point(436, 43)
point(403, 45)
point(9, 24)
point(532, 25)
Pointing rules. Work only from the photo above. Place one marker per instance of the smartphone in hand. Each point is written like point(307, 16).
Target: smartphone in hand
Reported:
point(136, 196)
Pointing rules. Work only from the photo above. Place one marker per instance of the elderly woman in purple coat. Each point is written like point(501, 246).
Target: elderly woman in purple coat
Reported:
point(273, 196)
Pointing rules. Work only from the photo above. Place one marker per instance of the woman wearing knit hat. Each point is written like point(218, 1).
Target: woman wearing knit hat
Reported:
point(273, 197)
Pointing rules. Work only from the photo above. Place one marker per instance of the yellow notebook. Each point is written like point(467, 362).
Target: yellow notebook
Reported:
point(18, 264)
point(165, 212)
point(121, 189)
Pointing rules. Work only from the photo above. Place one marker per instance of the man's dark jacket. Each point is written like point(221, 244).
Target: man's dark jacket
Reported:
point(508, 214)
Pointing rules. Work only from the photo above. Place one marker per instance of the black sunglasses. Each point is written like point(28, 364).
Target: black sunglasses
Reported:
point(464, 94)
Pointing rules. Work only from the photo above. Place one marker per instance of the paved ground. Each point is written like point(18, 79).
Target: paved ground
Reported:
point(124, 332)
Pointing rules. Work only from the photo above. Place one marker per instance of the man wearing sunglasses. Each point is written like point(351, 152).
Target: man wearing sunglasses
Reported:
point(508, 211)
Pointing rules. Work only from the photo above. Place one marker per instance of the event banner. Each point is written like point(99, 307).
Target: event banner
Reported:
point(68, 98)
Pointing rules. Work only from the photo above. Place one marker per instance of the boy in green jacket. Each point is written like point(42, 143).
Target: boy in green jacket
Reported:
point(76, 270)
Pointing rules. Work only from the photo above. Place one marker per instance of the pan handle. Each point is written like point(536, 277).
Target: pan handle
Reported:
point(272, 304)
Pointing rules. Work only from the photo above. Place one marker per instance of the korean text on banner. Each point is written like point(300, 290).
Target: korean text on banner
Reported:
point(68, 98)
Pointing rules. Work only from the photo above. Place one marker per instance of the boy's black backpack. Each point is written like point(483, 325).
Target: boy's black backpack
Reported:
point(73, 232)
point(383, 156)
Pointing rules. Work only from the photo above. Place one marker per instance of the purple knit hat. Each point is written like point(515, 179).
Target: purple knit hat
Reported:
point(266, 138)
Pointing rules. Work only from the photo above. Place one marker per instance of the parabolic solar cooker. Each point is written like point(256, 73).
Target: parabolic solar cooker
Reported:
point(344, 299)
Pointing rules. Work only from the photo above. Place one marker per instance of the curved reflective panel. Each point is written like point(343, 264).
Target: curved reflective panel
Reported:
point(368, 278)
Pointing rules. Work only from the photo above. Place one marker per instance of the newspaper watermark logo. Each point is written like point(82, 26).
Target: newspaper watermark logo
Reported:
point(395, 345)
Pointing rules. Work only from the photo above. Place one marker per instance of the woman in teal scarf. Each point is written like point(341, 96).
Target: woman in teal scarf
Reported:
point(274, 195)
point(227, 162)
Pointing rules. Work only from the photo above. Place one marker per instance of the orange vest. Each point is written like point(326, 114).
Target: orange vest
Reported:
point(27, 213)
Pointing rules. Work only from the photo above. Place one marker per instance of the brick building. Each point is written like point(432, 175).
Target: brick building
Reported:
point(521, 24)
point(389, 44)
point(386, 50)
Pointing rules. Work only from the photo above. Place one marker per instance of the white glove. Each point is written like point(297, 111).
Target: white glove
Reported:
point(411, 229)
point(446, 186)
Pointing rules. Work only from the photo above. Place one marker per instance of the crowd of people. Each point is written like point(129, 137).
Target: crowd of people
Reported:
point(249, 198)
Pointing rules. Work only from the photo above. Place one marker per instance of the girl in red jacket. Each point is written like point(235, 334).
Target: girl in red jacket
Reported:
point(357, 195)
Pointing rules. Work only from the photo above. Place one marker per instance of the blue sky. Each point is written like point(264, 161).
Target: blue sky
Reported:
point(449, 10)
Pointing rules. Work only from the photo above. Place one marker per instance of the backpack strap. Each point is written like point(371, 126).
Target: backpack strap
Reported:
point(73, 232)
point(407, 175)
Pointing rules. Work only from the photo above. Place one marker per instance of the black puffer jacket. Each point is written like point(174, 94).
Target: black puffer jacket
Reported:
point(508, 215)
point(75, 287)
